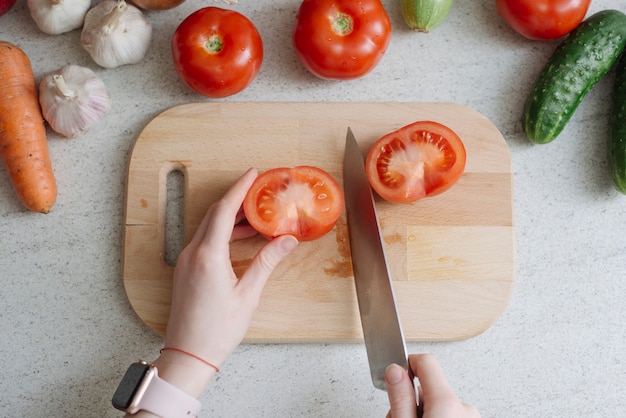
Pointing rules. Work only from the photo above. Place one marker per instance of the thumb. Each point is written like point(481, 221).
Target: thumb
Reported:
point(267, 259)
point(401, 393)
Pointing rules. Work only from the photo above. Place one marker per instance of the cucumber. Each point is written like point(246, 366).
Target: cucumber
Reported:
point(617, 129)
point(576, 65)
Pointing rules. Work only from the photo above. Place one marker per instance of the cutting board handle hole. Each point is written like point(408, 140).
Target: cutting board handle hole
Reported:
point(174, 216)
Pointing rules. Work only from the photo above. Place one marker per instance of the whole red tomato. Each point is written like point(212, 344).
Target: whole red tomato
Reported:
point(341, 39)
point(543, 19)
point(5, 6)
point(217, 52)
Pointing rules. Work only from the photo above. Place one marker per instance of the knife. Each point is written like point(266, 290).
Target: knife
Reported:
point(382, 332)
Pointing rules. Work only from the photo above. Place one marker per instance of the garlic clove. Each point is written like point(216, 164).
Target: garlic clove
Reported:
point(58, 16)
point(116, 33)
point(73, 99)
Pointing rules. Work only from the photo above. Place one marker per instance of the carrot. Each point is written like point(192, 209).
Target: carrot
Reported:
point(23, 143)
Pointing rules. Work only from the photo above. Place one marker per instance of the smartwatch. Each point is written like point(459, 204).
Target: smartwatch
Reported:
point(141, 388)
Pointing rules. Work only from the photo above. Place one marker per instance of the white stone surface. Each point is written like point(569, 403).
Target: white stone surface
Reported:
point(67, 332)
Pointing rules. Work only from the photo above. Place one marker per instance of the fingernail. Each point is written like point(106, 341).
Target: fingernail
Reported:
point(288, 243)
point(394, 374)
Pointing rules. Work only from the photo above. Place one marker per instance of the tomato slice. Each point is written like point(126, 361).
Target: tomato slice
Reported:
point(421, 159)
point(303, 201)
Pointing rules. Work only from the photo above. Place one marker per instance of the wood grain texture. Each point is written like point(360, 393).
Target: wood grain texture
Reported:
point(452, 256)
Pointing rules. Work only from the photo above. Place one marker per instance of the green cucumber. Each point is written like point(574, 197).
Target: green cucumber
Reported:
point(576, 65)
point(617, 129)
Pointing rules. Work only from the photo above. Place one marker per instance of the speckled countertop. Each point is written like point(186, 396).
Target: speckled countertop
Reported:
point(67, 331)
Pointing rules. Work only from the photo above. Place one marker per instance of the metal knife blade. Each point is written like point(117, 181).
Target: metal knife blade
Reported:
point(384, 339)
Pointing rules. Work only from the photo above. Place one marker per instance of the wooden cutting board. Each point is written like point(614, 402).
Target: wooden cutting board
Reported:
point(452, 256)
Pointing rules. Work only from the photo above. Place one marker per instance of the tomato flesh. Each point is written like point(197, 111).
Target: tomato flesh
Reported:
point(303, 201)
point(421, 159)
point(341, 39)
point(543, 19)
point(217, 52)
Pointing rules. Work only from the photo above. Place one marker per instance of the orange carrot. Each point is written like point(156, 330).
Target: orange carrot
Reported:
point(23, 143)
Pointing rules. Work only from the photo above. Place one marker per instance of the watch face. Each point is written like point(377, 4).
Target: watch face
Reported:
point(128, 386)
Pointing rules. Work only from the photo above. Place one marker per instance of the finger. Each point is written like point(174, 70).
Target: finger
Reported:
point(237, 192)
point(199, 234)
point(224, 212)
point(240, 216)
point(265, 261)
point(433, 382)
point(471, 411)
point(242, 232)
point(401, 392)
point(242, 228)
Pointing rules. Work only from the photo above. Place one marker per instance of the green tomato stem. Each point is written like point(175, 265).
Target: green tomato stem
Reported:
point(342, 24)
point(214, 44)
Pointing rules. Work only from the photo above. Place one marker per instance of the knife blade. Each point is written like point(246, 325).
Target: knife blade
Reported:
point(382, 331)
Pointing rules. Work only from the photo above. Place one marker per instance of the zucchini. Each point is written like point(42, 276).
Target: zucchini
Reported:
point(576, 65)
point(425, 15)
point(617, 129)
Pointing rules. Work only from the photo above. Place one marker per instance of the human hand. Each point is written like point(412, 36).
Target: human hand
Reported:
point(436, 398)
point(211, 307)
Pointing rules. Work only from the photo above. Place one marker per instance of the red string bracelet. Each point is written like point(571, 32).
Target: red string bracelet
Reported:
point(190, 355)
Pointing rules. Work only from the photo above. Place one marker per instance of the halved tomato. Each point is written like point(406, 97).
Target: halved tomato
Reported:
point(421, 159)
point(303, 201)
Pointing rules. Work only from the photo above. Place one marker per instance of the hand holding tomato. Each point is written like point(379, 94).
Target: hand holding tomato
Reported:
point(217, 52)
point(543, 19)
point(341, 39)
point(212, 307)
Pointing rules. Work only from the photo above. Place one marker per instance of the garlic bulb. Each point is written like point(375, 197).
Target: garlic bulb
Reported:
point(73, 99)
point(116, 33)
point(58, 16)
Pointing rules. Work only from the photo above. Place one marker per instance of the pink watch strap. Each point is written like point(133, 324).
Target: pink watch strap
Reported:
point(168, 401)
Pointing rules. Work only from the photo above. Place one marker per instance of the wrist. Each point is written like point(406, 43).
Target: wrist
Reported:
point(167, 387)
point(185, 372)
